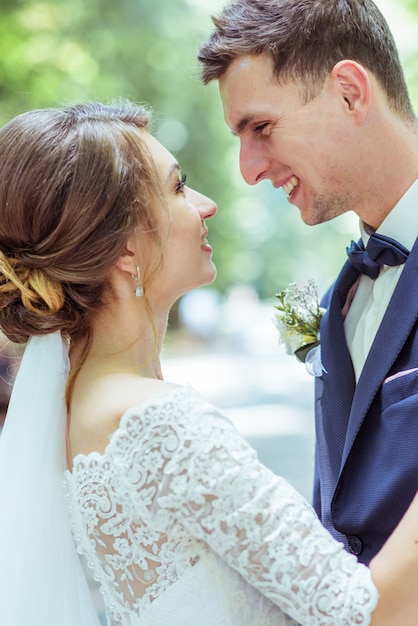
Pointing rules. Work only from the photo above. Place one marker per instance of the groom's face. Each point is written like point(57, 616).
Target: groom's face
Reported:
point(298, 146)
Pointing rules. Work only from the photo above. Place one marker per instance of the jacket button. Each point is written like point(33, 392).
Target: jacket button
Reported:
point(355, 544)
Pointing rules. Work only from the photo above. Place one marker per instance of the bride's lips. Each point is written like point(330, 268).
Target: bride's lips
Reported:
point(204, 242)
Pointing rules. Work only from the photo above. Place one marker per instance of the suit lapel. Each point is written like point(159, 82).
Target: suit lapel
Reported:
point(337, 395)
point(388, 343)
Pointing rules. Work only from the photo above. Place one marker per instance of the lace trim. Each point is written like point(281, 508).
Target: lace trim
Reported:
point(176, 479)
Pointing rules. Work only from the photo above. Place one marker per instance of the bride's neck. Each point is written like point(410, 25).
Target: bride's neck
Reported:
point(121, 344)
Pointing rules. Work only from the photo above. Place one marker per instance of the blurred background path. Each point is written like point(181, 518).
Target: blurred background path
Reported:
point(265, 392)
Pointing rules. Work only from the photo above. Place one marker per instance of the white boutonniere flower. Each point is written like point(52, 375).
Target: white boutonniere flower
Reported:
point(298, 317)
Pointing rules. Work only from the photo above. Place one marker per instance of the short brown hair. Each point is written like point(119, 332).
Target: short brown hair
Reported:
point(305, 39)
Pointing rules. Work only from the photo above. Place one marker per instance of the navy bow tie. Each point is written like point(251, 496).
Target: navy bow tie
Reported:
point(380, 250)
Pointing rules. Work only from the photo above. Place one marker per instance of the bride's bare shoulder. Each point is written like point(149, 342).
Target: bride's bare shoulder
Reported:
point(97, 406)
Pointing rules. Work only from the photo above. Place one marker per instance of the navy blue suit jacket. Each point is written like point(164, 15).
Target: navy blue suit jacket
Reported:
point(367, 434)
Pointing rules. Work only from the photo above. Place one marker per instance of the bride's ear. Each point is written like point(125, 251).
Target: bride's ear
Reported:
point(126, 262)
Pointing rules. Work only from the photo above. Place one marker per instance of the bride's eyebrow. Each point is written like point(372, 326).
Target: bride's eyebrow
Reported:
point(174, 168)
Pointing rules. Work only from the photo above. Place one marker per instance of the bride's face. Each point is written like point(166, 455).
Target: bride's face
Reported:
point(186, 252)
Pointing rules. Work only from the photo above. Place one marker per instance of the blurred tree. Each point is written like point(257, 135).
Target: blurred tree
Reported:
point(54, 52)
point(57, 52)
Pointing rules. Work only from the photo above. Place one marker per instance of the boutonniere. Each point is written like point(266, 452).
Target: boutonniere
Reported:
point(298, 317)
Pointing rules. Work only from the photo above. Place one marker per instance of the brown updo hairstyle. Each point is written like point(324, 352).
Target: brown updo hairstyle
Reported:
point(74, 184)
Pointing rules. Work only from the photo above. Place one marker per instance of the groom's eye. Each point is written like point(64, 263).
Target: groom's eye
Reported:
point(260, 128)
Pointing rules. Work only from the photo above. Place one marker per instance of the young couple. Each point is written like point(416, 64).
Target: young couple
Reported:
point(99, 236)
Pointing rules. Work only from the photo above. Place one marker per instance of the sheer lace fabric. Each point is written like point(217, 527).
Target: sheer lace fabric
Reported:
point(182, 524)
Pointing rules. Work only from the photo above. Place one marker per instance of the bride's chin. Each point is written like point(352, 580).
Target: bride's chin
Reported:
point(213, 270)
point(211, 277)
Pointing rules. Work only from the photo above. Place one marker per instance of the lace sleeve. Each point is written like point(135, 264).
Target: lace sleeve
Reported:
point(183, 461)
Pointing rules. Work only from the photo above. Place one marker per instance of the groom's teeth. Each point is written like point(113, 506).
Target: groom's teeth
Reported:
point(290, 185)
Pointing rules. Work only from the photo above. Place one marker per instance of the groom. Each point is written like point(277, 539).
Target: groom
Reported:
point(315, 92)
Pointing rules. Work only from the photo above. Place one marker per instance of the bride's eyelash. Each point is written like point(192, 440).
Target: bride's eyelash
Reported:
point(181, 184)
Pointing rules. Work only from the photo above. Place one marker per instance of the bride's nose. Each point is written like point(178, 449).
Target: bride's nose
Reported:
point(206, 206)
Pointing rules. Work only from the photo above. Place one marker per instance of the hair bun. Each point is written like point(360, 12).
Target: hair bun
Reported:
point(39, 293)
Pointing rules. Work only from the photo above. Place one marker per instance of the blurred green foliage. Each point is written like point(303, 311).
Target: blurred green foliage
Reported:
point(59, 51)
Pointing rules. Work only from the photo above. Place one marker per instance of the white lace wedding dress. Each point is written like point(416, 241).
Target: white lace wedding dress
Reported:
point(183, 526)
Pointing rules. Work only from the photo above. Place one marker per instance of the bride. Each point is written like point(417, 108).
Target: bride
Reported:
point(180, 523)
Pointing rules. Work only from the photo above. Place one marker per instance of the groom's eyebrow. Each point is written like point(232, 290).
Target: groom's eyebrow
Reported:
point(242, 124)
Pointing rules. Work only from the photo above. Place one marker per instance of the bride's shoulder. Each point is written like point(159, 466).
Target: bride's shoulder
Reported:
point(96, 411)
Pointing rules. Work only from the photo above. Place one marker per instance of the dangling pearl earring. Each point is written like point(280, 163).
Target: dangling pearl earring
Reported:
point(139, 290)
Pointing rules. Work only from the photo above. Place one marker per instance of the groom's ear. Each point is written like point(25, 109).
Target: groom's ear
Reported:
point(352, 84)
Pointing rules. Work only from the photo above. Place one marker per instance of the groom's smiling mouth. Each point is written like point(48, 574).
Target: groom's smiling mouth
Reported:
point(290, 185)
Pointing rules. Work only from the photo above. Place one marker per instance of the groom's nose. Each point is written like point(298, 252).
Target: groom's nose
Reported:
point(253, 164)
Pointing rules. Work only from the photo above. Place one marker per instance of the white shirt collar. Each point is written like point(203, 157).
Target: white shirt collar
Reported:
point(402, 222)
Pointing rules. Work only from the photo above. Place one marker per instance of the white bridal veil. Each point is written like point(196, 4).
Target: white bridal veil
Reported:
point(42, 582)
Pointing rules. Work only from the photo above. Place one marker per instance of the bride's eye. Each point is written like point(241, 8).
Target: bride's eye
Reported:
point(181, 184)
